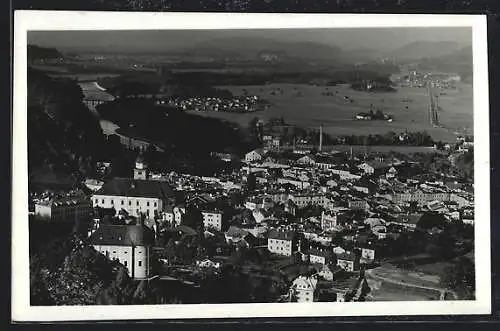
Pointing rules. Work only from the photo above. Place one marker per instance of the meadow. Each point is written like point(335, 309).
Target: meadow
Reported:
point(305, 105)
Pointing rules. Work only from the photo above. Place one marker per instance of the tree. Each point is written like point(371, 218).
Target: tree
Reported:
point(193, 218)
point(251, 182)
point(461, 278)
point(431, 220)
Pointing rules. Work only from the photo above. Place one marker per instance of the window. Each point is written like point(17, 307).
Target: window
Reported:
point(112, 202)
point(137, 202)
point(123, 202)
point(155, 204)
point(147, 203)
point(96, 200)
point(139, 263)
point(102, 201)
point(114, 252)
point(129, 202)
point(125, 263)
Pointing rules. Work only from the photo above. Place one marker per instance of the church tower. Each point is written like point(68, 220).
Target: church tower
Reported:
point(141, 168)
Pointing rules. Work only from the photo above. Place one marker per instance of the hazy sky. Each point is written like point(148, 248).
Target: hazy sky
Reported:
point(374, 38)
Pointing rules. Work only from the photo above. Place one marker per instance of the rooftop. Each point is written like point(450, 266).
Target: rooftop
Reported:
point(129, 187)
point(122, 235)
point(282, 235)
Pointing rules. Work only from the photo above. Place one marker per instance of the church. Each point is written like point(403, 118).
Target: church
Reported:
point(137, 196)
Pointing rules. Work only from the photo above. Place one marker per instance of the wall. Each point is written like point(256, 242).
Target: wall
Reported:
point(130, 204)
point(136, 258)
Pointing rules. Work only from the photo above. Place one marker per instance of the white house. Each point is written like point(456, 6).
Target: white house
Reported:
point(254, 156)
point(174, 215)
point(329, 220)
point(282, 242)
point(304, 288)
point(307, 160)
point(317, 256)
point(129, 245)
point(212, 219)
point(348, 261)
point(368, 253)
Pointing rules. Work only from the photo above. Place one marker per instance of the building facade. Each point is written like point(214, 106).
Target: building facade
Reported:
point(67, 209)
point(212, 219)
point(137, 197)
point(282, 242)
point(304, 288)
point(129, 245)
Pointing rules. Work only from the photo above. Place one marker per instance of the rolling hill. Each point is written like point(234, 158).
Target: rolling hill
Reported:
point(250, 48)
point(424, 49)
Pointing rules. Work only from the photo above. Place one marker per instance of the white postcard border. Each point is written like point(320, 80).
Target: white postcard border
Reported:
point(59, 20)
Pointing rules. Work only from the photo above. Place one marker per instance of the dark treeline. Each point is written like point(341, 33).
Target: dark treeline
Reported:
point(290, 133)
point(182, 82)
point(187, 139)
point(62, 133)
point(43, 53)
point(148, 84)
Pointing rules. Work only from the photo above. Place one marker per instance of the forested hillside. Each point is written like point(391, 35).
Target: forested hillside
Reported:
point(62, 133)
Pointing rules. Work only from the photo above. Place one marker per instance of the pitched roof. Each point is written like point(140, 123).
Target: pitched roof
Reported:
point(377, 164)
point(346, 256)
point(282, 235)
point(122, 235)
point(129, 187)
point(235, 231)
point(317, 252)
point(409, 219)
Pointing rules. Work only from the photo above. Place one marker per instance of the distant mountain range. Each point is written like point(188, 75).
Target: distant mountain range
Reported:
point(459, 62)
point(253, 48)
point(424, 49)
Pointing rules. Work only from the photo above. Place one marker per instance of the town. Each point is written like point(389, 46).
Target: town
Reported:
point(292, 224)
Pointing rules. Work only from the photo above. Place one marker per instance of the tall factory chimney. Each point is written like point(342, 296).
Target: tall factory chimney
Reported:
point(320, 137)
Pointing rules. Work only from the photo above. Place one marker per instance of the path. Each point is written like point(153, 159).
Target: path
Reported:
point(442, 292)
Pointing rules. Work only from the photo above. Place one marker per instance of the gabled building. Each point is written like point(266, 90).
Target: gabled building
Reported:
point(307, 160)
point(131, 245)
point(254, 156)
point(64, 209)
point(283, 242)
point(304, 288)
point(374, 167)
point(409, 222)
point(330, 220)
point(348, 261)
point(321, 256)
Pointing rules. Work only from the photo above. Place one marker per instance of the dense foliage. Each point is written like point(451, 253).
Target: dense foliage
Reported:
point(187, 139)
point(62, 133)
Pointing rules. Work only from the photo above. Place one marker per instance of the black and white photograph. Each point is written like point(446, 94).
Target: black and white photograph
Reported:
point(206, 165)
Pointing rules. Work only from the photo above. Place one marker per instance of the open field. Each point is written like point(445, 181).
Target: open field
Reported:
point(393, 292)
point(311, 108)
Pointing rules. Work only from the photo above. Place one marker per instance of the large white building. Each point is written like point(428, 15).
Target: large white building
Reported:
point(136, 196)
point(130, 245)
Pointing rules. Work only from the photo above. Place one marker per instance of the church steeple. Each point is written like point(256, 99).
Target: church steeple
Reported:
point(141, 167)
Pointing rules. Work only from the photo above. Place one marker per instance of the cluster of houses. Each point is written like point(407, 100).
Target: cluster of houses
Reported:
point(237, 104)
point(326, 209)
